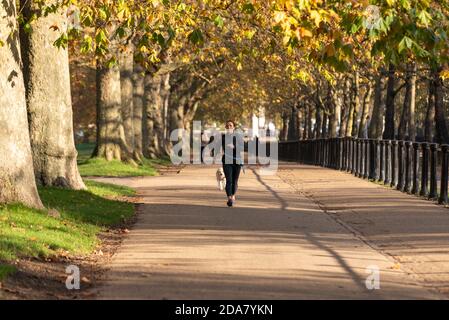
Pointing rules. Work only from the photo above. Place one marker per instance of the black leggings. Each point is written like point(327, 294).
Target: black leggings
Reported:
point(232, 173)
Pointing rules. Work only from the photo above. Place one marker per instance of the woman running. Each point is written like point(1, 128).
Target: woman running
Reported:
point(232, 162)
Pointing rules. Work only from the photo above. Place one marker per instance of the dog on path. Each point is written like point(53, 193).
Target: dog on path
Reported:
point(221, 179)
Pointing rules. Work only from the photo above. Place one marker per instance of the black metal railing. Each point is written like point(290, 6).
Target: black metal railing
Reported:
point(419, 168)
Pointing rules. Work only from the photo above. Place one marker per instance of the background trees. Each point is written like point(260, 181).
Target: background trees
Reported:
point(317, 69)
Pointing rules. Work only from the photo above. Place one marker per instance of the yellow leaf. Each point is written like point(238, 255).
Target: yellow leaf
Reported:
point(316, 16)
point(444, 74)
point(305, 33)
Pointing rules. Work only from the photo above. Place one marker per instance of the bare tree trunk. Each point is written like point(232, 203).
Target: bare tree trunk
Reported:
point(189, 113)
point(153, 116)
point(346, 109)
point(356, 103)
point(49, 100)
point(324, 124)
point(127, 95)
point(111, 141)
point(377, 116)
point(165, 96)
point(176, 114)
point(17, 179)
point(110, 138)
point(305, 133)
point(285, 126)
point(412, 106)
point(389, 105)
point(440, 119)
point(366, 110)
point(410, 82)
point(298, 121)
point(318, 123)
point(309, 121)
point(430, 114)
point(138, 95)
point(404, 115)
point(293, 125)
point(335, 109)
point(351, 113)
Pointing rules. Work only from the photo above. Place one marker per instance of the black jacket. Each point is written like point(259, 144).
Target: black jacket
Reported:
point(227, 151)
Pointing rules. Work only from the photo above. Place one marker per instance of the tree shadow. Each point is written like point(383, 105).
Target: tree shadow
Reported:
point(273, 244)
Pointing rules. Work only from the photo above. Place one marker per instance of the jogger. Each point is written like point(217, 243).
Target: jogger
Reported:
point(232, 173)
point(232, 162)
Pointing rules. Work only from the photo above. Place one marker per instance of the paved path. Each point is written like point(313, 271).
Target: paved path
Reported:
point(275, 244)
point(413, 231)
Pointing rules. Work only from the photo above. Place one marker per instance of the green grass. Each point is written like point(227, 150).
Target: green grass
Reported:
point(6, 270)
point(26, 232)
point(98, 167)
point(108, 190)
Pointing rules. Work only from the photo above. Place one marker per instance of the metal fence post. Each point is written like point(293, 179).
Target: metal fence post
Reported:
point(407, 167)
point(433, 171)
point(424, 168)
point(415, 187)
point(394, 156)
point(401, 180)
point(444, 178)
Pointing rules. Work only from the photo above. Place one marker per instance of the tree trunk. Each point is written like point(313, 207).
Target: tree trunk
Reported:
point(309, 121)
point(334, 107)
point(440, 119)
point(16, 166)
point(293, 125)
point(389, 133)
point(138, 95)
point(305, 133)
point(351, 120)
point(430, 114)
point(412, 105)
point(355, 103)
point(318, 123)
point(152, 116)
point(165, 96)
point(298, 121)
point(166, 89)
point(176, 114)
point(49, 100)
point(324, 124)
point(346, 109)
point(111, 143)
point(402, 129)
point(377, 116)
point(285, 126)
point(127, 95)
point(366, 110)
point(408, 110)
point(189, 113)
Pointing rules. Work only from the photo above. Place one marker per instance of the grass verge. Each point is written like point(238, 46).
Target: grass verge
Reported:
point(26, 232)
point(98, 167)
point(6, 270)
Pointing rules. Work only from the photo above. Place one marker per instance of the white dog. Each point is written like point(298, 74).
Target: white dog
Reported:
point(221, 179)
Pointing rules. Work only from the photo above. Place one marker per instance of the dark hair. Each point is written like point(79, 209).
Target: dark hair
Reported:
point(231, 121)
